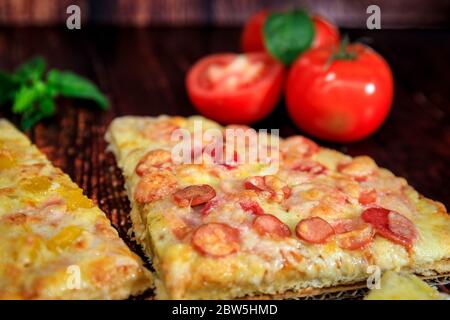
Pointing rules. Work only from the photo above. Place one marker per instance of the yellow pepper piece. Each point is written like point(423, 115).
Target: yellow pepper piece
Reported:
point(37, 184)
point(7, 160)
point(64, 238)
point(75, 198)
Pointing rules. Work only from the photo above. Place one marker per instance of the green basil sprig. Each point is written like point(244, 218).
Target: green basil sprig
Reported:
point(32, 92)
point(287, 34)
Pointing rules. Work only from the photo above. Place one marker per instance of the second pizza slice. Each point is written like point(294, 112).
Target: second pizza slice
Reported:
point(54, 242)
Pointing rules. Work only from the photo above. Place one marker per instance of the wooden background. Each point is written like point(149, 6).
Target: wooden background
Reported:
point(346, 13)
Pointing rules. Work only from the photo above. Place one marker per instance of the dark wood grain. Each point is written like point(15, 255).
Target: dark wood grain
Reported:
point(142, 71)
point(346, 13)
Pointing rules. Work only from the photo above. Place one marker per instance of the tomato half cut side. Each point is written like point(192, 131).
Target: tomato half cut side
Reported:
point(235, 88)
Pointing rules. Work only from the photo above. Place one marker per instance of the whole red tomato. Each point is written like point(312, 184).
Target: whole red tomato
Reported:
point(326, 33)
point(252, 34)
point(252, 38)
point(340, 95)
point(235, 88)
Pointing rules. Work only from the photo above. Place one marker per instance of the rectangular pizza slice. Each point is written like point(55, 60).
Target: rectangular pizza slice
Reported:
point(303, 220)
point(54, 242)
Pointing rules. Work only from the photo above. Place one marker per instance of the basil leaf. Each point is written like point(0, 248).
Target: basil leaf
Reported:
point(47, 106)
point(30, 117)
point(287, 34)
point(8, 86)
point(69, 84)
point(26, 96)
point(43, 108)
point(33, 97)
point(31, 70)
point(24, 99)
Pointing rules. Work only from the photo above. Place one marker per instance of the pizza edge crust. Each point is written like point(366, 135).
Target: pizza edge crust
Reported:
point(435, 270)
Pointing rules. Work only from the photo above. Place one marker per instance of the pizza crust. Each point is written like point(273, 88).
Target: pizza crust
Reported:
point(434, 271)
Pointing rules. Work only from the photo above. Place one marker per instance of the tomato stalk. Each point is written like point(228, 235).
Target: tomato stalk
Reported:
point(342, 52)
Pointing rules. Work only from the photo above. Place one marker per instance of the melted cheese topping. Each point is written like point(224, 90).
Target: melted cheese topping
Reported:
point(397, 286)
point(50, 233)
point(263, 264)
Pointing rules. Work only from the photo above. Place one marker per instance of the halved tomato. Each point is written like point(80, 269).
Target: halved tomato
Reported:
point(235, 88)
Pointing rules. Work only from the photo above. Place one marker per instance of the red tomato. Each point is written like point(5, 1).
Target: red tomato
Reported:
point(252, 38)
point(252, 35)
point(326, 33)
point(232, 88)
point(340, 100)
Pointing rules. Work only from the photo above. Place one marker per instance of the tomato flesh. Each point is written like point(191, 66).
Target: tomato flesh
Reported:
point(232, 88)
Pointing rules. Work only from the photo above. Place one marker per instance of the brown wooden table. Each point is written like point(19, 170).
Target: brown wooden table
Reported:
point(142, 71)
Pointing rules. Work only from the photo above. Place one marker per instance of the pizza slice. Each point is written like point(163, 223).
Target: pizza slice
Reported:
point(54, 242)
point(399, 286)
point(308, 220)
